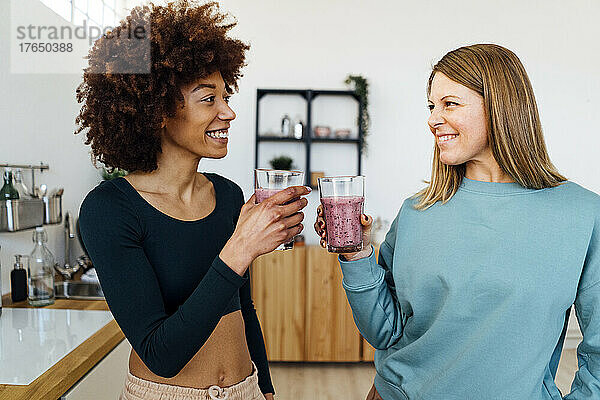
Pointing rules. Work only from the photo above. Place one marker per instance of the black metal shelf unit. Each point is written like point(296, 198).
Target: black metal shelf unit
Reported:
point(307, 139)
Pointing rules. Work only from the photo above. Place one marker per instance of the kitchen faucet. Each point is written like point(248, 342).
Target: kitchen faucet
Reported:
point(67, 270)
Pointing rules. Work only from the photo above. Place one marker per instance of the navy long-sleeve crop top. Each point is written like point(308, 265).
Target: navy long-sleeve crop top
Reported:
point(162, 277)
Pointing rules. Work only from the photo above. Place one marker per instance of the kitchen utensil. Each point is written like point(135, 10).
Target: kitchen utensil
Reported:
point(52, 209)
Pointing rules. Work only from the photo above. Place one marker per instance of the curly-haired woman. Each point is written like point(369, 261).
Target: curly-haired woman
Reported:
point(172, 246)
point(471, 294)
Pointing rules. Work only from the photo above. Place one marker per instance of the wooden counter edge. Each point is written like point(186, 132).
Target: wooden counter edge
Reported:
point(68, 370)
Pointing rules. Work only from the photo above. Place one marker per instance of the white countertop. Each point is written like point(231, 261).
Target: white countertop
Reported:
point(33, 340)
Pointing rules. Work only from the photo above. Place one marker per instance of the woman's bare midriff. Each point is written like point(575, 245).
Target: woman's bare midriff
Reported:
point(223, 360)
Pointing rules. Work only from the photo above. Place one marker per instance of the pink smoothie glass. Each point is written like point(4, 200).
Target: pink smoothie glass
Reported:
point(343, 199)
point(267, 182)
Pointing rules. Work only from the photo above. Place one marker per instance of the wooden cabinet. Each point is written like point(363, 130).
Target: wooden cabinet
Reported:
point(368, 351)
point(303, 308)
point(278, 283)
point(331, 334)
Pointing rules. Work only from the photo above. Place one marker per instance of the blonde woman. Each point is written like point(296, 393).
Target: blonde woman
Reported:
point(471, 294)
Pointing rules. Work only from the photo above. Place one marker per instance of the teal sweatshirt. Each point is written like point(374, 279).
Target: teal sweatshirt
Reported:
point(470, 300)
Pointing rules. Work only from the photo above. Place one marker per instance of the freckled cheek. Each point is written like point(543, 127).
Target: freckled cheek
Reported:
point(457, 126)
point(467, 130)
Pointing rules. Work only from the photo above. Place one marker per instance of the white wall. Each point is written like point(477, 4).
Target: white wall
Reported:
point(315, 44)
point(38, 116)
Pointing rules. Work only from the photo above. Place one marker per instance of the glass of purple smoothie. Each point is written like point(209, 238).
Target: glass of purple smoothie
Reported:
point(343, 199)
point(267, 182)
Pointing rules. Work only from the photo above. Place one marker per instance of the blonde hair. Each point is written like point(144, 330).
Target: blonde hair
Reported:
point(514, 131)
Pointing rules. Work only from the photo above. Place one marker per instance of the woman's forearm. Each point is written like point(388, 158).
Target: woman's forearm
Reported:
point(376, 312)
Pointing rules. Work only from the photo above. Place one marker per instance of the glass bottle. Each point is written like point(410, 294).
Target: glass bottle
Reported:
point(20, 185)
point(18, 280)
point(286, 126)
point(298, 128)
point(40, 277)
point(8, 191)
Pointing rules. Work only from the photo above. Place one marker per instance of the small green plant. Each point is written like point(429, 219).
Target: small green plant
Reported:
point(360, 85)
point(282, 162)
point(114, 173)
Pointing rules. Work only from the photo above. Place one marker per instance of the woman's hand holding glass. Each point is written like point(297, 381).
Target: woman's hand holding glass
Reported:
point(262, 227)
point(366, 222)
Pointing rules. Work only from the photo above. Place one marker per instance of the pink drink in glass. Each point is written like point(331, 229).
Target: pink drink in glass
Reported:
point(342, 218)
point(343, 199)
point(263, 194)
point(267, 182)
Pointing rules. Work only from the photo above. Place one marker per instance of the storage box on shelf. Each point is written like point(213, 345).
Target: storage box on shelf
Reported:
point(16, 215)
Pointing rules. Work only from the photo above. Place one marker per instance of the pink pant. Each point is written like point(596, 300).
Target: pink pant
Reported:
point(141, 389)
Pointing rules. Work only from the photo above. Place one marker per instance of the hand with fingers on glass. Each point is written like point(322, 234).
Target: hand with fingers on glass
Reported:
point(262, 227)
point(366, 222)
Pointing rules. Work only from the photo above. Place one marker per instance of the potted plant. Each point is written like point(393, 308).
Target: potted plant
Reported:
point(108, 174)
point(282, 162)
point(286, 163)
point(360, 85)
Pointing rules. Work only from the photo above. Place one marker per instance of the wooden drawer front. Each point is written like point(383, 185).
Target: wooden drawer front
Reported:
point(278, 284)
point(368, 353)
point(330, 331)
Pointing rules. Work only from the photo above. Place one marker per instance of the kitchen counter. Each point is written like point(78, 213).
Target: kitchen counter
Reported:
point(92, 336)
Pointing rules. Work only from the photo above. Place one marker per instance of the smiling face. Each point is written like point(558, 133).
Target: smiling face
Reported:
point(458, 122)
point(202, 126)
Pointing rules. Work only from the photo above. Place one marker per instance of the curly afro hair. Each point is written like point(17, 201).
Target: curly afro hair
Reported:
point(124, 113)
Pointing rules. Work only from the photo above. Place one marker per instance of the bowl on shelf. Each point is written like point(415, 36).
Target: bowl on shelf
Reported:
point(342, 133)
point(322, 131)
